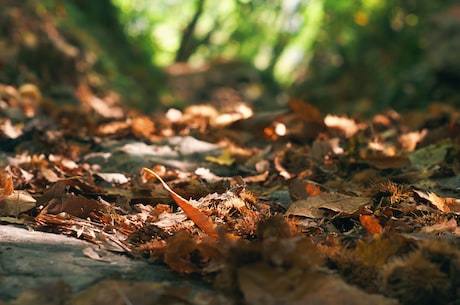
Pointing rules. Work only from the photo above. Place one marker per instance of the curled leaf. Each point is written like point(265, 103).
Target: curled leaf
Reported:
point(438, 202)
point(197, 216)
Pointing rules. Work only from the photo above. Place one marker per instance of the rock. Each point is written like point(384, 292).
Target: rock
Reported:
point(31, 259)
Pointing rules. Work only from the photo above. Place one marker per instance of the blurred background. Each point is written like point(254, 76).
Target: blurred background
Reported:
point(356, 57)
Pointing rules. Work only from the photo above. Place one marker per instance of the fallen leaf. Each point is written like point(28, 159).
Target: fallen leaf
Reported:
point(114, 127)
point(280, 168)
point(185, 255)
point(105, 107)
point(426, 157)
point(113, 178)
point(371, 224)
point(12, 220)
point(18, 202)
point(75, 205)
point(49, 175)
point(9, 130)
point(409, 140)
point(311, 207)
point(444, 226)
point(307, 112)
point(6, 185)
point(198, 217)
point(438, 202)
point(302, 189)
point(346, 125)
point(224, 159)
point(263, 285)
point(142, 127)
point(189, 145)
point(207, 175)
point(256, 178)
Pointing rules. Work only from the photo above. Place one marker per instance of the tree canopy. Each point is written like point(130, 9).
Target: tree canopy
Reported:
point(351, 55)
point(361, 56)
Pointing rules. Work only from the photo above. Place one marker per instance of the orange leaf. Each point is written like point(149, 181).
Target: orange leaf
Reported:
point(302, 189)
point(371, 224)
point(197, 216)
point(312, 190)
point(185, 255)
point(143, 127)
point(6, 185)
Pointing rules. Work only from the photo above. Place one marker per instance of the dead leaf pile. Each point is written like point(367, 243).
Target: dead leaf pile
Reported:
point(276, 209)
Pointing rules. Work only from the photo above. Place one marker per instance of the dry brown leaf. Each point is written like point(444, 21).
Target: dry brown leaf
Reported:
point(49, 175)
point(9, 130)
point(409, 140)
point(307, 112)
point(312, 190)
point(18, 202)
point(116, 178)
point(197, 216)
point(256, 178)
point(346, 125)
point(104, 107)
point(311, 207)
point(112, 128)
point(185, 255)
point(142, 127)
point(444, 226)
point(75, 205)
point(302, 189)
point(438, 202)
point(6, 185)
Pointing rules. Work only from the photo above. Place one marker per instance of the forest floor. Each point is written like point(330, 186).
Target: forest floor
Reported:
point(293, 207)
point(215, 203)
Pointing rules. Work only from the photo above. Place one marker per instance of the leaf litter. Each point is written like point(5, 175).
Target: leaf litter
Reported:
point(298, 208)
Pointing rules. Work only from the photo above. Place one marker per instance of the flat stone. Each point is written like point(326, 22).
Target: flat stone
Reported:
point(31, 259)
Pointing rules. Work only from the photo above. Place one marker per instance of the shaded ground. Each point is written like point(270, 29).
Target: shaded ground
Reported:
point(36, 264)
point(294, 197)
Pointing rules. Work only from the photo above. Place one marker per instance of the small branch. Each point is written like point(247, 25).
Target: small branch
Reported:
point(188, 45)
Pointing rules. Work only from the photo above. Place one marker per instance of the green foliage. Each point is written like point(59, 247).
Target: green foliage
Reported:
point(352, 56)
point(273, 35)
point(371, 55)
